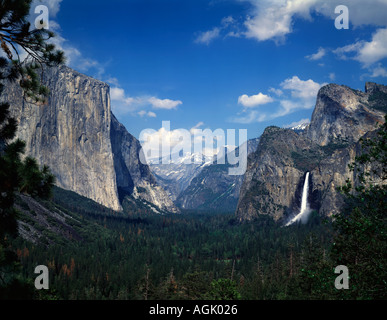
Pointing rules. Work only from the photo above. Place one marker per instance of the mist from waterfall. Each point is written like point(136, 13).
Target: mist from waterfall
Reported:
point(305, 210)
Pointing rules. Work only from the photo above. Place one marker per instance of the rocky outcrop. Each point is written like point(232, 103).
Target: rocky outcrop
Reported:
point(78, 137)
point(272, 178)
point(276, 171)
point(134, 177)
point(343, 114)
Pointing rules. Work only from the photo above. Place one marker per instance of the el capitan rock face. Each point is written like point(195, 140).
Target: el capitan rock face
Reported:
point(276, 171)
point(78, 137)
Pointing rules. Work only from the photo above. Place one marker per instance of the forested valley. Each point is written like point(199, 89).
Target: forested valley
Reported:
point(187, 256)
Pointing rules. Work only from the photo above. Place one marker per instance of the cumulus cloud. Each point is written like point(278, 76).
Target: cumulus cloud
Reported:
point(379, 71)
point(122, 103)
point(374, 50)
point(361, 12)
point(254, 100)
point(118, 94)
point(303, 95)
point(165, 142)
point(318, 55)
point(295, 94)
point(149, 114)
point(366, 52)
point(164, 103)
point(274, 19)
point(277, 92)
point(304, 89)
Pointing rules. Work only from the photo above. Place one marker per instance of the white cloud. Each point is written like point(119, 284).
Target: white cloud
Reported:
point(118, 94)
point(342, 52)
point(164, 103)
point(332, 76)
point(318, 55)
point(153, 141)
point(306, 90)
point(112, 81)
point(122, 103)
point(360, 12)
point(375, 50)
point(295, 94)
point(149, 114)
point(208, 36)
point(288, 107)
point(273, 20)
point(226, 21)
point(277, 92)
point(303, 94)
point(254, 100)
point(379, 71)
point(367, 53)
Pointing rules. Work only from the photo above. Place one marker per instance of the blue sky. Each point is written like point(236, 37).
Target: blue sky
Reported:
point(229, 64)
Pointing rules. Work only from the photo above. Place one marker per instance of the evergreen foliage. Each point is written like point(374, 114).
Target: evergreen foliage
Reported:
point(16, 174)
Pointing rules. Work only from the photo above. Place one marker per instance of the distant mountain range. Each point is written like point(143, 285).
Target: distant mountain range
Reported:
point(212, 188)
point(176, 176)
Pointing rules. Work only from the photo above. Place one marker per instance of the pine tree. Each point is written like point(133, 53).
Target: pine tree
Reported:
point(17, 175)
point(361, 239)
point(18, 39)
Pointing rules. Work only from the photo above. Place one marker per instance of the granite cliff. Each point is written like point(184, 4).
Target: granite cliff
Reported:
point(78, 137)
point(276, 171)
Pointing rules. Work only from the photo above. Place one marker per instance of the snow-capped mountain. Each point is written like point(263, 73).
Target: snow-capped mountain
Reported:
point(176, 173)
point(300, 127)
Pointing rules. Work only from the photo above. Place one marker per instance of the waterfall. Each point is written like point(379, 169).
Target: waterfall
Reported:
point(304, 211)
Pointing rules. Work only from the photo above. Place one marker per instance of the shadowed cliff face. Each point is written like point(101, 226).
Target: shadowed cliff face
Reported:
point(275, 171)
point(134, 177)
point(78, 137)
